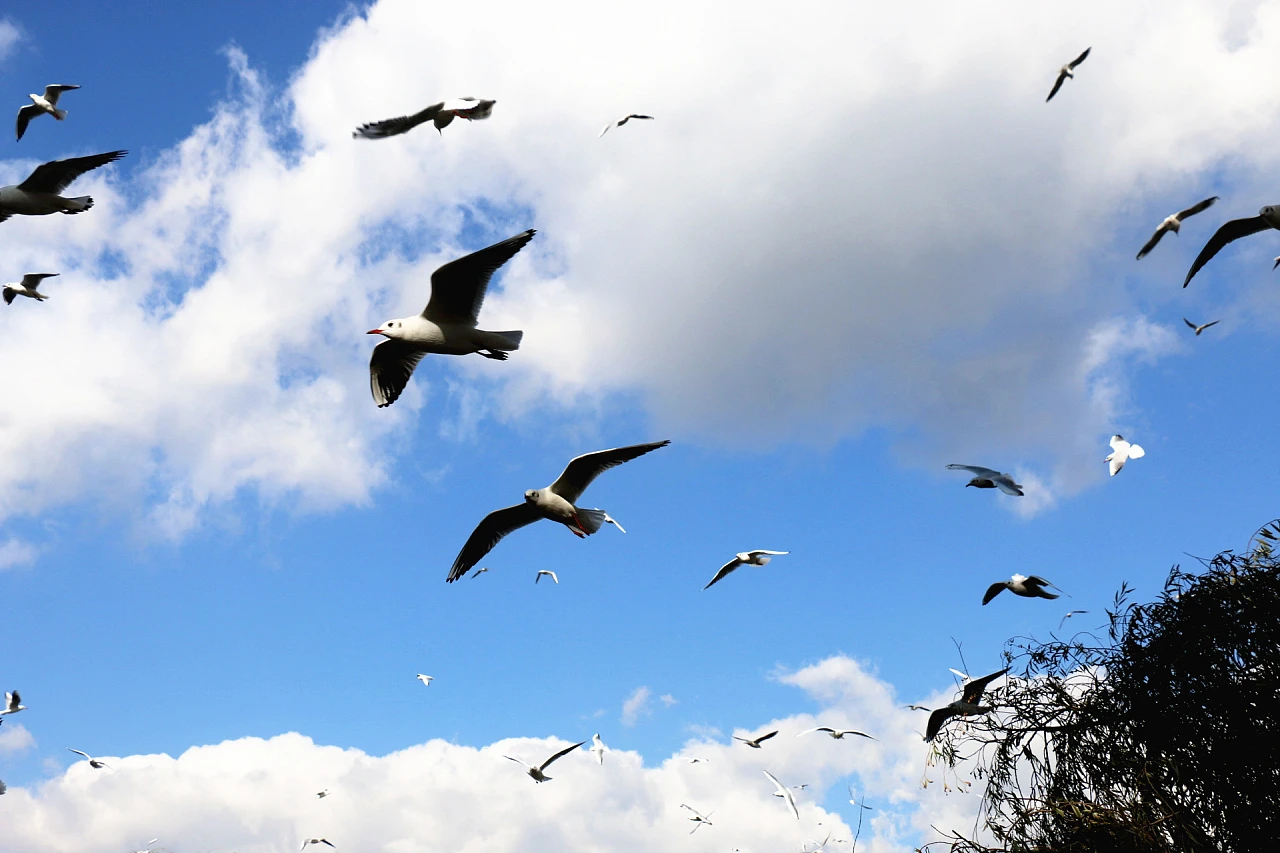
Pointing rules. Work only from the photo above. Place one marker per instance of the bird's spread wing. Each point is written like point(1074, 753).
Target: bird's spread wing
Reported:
point(56, 175)
point(936, 719)
point(1006, 484)
point(811, 731)
point(396, 126)
point(54, 90)
point(1233, 230)
point(78, 752)
point(1081, 58)
point(1200, 329)
point(581, 470)
point(1190, 324)
point(1136, 452)
point(784, 792)
point(766, 737)
point(33, 279)
point(1198, 207)
point(992, 591)
point(560, 754)
point(25, 115)
point(488, 533)
point(1117, 443)
point(1151, 244)
point(390, 365)
point(976, 470)
point(859, 734)
point(457, 288)
point(973, 690)
point(1057, 84)
point(724, 571)
point(9, 294)
point(757, 553)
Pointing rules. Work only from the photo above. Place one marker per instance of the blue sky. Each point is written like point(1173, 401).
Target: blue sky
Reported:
point(218, 537)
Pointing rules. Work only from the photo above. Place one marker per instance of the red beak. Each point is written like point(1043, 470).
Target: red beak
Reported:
point(374, 332)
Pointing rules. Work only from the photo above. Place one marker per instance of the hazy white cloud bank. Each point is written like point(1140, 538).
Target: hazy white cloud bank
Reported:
point(845, 215)
point(254, 795)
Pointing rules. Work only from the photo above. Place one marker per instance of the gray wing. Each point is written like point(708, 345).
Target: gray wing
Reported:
point(992, 591)
point(33, 279)
point(9, 295)
point(763, 738)
point(936, 719)
point(1081, 58)
point(396, 126)
point(390, 365)
point(25, 115)
point(54, 90)
point(976, 470)
point(1151, 244)
point(581, 470)
point(725, 570)
point(972, 691)
point(560, 754)
point(458, 287)
point(488, 533)
point(1198, 207)
point(1233, 230)
point(1057, 84)
point(1006, 484)
point(56, 175)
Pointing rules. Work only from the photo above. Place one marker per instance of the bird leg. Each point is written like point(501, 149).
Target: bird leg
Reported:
point(583, 534)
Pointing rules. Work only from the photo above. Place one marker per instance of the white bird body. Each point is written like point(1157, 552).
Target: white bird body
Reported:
point(597, 748)
point(315, 841)
point(12, 704)
point(425, 679)
point(1121, 452)
point(784, 792)
point(29, 286)
point(46, 104)
point(759, 557)
point(1027, 587)
point(41, 193)
point(968, 704)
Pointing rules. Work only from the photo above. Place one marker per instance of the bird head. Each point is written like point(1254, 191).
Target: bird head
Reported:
point(1269, 210)
point(389, 329)
point(980, 483)
point(531, 496)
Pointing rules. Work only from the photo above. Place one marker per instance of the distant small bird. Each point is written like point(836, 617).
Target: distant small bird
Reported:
point(320, 795)
point(315, 841)
point(1121, 452)
point(854, 802)
point(836, 734)
point(548, 573)
point(1065, 71)
point(426, 679)
point(95, 763)
point(1268, 217)
point(1174, 223)
point(1027, 587)
point(620, 122)
point(40, 193)
point(597, 748)
point(43, 105)
point(986, 478)
point(478, 572)
point(12, 704)
point(743, 558)
point(1276, 264)
point(442, 114)
point(966, 705)
point(699, 819)
point(916, 708)
point(784, 792)
point(754, 743)
point(536, 773)
point(1201, 327)
point(698, 760)
point(29, 286)
point(1063, 620)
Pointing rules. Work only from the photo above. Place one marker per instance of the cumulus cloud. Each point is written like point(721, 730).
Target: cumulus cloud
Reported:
point(15, 552)
point(257, 795)
point(14, 739)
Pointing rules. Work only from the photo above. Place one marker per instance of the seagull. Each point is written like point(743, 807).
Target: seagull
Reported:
point(698, 760)
point(783, 792)
point(854, 802)
point(970, 696)
point(1201, 327)
point(620, 122)
point(698, 818)
point(555, 502)
point(597, 748)
point(985, 478)
point(744, 558)
point(320, 795)
point(836, 734)
point(916, 708)
point(1174, 223)
point(447, 325)
point(443, 113)
point(754, 743)
point(1028, 587)
point(40, 105)
point(12, 704)
point(478, 572)
point(536, 773)
point(27, 287)
point(542, 572)
point(39, 194)
point(1065, 71)
point(95, 763)
point(1268, 217)
point(1121, 452)
point(315, 841)
point(1068, 616)
point(426, 679)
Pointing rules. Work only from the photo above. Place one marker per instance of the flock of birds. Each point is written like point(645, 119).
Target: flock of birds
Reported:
point(448, 325)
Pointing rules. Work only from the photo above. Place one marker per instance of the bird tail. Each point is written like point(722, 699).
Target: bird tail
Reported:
point(78, 205)
point(593, 519)
point(513, 338)
point(59, 114)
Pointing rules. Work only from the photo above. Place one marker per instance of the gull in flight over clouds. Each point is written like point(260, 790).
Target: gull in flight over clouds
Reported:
point(597, 748)
point(967, 704)
point(1065, 71)
point(12, 704)
point(1268, 217)
point(315, 841)
point(40, 193)
point(555, 502)
point(442, 114)
point(916, 708)
point(1121, 452)
point(1201, 327)
point(425, 679)
point(836, 734)
point(1174, 223)
point(698, 760)
point(42, 105)
point(95, 763)
point(744, 558)
point(547, 572)
point(698, 818)
point(536, 773)
point(29, 286)
point(447, 325)
point(784, 792)
point(1028, 587)
point(754, 743)
point(1063, 620)
point(985, 478)
point(620, 122)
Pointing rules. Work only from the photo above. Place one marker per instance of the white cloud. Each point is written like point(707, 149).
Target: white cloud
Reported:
point(14, 739)
point(10, 35)
point(668, 700)
point(636, 705)
point(15, 552)
point(256, 795)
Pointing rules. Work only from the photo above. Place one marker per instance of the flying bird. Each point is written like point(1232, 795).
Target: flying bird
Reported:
point(916, 708)
point(442, 114)
point(1174, 223)
point(46, 104)
point(39, 194)
point(1027, 587)
point(1121, 452)
point(320, 795)
point(967, 704)
point(836, 734)
point(536, 773)
point(547, 572)
point(698, 760)
point(754, 743)
point(1063, 620)
point(985, 478)
point(1065, 71)
point(1268, 217)
point(620, 122)
point(12, 704)
point(1201, 327)
point(698, 818)
point(555, 502)
point(29, 286)
point(447, 325)
point(744, 558)
point(478, 572)
point(425, 679)
point(597, 748)
point(784, 792)
point(96, 764)
point(315, 841)
point(147, 849)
